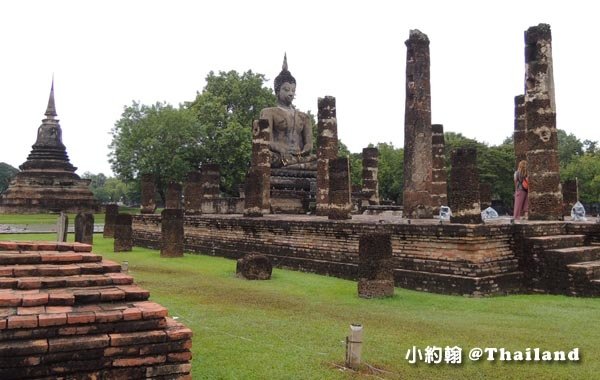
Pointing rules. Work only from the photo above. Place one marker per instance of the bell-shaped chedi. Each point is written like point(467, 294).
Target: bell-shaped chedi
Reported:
point(47, 181)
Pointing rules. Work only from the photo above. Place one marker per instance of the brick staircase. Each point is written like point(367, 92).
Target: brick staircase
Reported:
point(67, 313)
point(562, 264)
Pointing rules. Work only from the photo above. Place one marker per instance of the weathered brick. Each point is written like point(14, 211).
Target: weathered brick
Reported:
point(108, 316)
point(23, 347)
point(52, 319)
point(78, 343)
point(146, 337)
point(8, 283)
point(140, 361)
point(178, 357)
point(24, 270)
point(80, 317)
point(60, 299)
point(122, 351)
point(132, 314)
point(29, 283)
point(112, 294)
point(30, 310)
point(22, 322)
point(35, 299)
point(168, 369)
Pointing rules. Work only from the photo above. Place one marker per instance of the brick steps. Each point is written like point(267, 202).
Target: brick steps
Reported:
point(585, 278)
point(555, 241)
point(70, 314)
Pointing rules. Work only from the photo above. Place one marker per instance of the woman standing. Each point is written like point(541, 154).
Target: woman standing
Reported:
point(521, 189)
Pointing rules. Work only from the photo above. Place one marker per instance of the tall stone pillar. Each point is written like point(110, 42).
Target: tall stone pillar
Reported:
point(123, 233)
point(173, 198)
point(171, 232)
point(210, 181)
point(520, 133)
point(375, 266)
point(545, 196)
point(417, 129)
point(148, 188)
point(569, 192)
point(485, 195)
point(340, 204)
point(84, 227)
point(370, 182)
point(192, 193)
point(463, 189)
point(110, 218)
point(327, 149)
point(439, 185)
point(257, 192)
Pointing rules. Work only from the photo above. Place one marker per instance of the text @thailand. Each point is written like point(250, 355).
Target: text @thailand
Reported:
point(454, 355)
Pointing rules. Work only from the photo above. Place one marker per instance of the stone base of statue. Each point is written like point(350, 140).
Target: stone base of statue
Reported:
point(292, 190)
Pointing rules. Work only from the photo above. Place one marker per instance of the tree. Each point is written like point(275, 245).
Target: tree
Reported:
point(97, 183)
point(225, 110)
point(569, 147)
point(6, 174)
point(159, 139)
point(586, 169)
point(391, 172)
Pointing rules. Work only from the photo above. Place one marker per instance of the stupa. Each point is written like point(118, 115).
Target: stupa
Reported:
point(47, 181)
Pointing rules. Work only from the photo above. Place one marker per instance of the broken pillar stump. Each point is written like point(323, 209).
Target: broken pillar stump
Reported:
point(171, 233)
point(123, 233)
point(375, 269)
point(84, 227)
point(254, 266)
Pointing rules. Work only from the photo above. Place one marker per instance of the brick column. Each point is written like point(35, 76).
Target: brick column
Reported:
point(84, 227)
point(370, 182)
point(327, 149)
point(375, 266)
point(520, 133)
point(192, 193)
point(148, 188)
point(485, 195)
point(171, 232)
point(257, 193)
point(439, 185)
point(173, 198)
point(340, 203)
point(463, 188)
point(210, 181)
point(569, 192)
point(110, 218)
point(545, 197)
point(123, 233)
point(417, 129)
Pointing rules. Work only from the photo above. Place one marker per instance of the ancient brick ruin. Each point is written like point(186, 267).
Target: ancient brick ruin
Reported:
point(545, 197)
point(110, 219)
point(47, 181)
point(173, 196)
point(254, 267)
point(192, 195)
point(520, 132)
point(370, 181)
point(148, 188)
point(257, 190)
point(65, 312)
point(439, 186)
point(485, 195)
point(417, 129)
point(171, 232)
point(375, 266)
point(84, 227)
point(340, 204)
point(327, 142)
point(123, 234)
point(463, 189)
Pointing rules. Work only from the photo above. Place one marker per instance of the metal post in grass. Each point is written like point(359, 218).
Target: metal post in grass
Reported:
point(354, 346)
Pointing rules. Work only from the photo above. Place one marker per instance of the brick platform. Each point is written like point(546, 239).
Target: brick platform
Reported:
point(67, 313)
point(464, 259)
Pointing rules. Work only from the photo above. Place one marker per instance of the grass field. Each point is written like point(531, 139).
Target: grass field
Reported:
point(293, 326)
point(52, 218)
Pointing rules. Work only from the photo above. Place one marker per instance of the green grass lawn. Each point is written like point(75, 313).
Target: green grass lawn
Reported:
point(52, 218)
point(293, 326)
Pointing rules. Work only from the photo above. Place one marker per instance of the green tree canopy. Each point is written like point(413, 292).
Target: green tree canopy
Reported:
point(6, 174)
point(158, 139)
point(225, 110)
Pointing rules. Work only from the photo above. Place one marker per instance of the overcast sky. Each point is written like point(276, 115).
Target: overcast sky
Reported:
point(106, 54)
